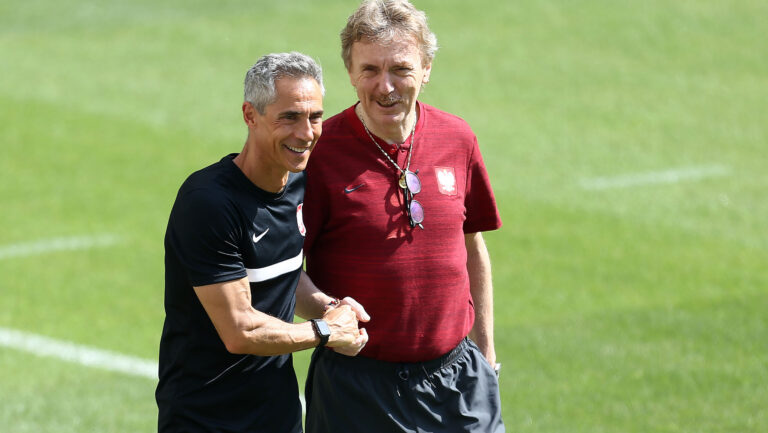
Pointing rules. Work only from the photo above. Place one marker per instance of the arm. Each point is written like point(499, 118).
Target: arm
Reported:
point(244, 329)
point(481, 288)
point(311, 302)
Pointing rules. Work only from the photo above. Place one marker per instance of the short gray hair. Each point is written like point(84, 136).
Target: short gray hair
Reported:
point(385, 20)
point(260, 79)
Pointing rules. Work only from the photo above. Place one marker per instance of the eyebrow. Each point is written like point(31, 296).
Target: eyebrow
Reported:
point(396, 64)
point(292, 113)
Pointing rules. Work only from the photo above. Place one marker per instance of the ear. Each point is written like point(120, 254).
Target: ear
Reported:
point(427, 72)
point(249, 114)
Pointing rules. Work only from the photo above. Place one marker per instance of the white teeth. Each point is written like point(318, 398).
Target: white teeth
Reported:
point(297, 149)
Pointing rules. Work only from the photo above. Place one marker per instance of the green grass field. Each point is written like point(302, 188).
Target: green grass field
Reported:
point(627, 143)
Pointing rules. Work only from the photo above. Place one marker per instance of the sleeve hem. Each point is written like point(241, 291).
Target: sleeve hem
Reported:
point(223, 278)
point(483, 226)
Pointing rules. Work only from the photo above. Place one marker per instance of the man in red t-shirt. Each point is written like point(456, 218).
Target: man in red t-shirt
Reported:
point(397, 195)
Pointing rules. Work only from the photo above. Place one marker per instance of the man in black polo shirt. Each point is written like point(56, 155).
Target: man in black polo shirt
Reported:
point(233, 256)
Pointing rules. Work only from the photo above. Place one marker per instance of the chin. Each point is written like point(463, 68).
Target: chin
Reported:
point(389, 118)
point(384, 111)
point(298, 168)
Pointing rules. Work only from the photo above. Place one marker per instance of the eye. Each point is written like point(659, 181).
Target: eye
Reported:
point(403, 70)
point(368, 70)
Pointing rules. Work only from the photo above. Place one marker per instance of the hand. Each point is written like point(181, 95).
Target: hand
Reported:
point(362, 315)
point(354, 349)
point(345, 338)
point(489, 352)
point(485, 344)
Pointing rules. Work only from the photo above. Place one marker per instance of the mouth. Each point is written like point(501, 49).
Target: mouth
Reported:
point(386, 104)
point(298, 150)
point(390, 101)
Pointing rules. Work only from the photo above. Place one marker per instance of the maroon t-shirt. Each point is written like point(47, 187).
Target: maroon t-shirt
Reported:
point(359, 242)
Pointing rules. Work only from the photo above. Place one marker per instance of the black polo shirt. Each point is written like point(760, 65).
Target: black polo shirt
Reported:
point(223, 228)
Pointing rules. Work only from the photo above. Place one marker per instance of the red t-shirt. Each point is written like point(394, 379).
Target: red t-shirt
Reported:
point(359, 242)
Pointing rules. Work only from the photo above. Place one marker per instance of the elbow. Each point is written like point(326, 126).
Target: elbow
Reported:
point(235, 349)
point(242, 346)
point(235, 344)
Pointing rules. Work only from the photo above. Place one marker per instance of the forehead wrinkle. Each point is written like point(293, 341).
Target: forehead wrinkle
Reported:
point(375, 53)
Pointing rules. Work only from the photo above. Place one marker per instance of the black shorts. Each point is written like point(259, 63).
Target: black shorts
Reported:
point(457, 392)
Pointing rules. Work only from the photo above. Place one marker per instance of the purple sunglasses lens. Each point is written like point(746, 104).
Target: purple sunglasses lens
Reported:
point(413, 182)
point(417, 212)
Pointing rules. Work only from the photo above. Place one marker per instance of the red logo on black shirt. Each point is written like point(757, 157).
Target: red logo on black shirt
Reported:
point(300, 220)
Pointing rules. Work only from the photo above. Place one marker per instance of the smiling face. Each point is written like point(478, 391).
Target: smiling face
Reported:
point(388, 77)
point(282, 138)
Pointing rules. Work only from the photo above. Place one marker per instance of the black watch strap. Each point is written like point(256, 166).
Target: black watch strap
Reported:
point(322, 330)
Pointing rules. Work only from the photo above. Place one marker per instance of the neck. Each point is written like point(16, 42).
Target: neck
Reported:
point(267, 178)
point(395, 134)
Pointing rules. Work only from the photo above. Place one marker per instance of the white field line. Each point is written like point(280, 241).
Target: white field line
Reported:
point(657, 177)
point(42, 246)
point(83, 355)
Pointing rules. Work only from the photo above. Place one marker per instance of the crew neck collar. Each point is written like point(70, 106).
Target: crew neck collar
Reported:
point(248, 185)
point(359, 129)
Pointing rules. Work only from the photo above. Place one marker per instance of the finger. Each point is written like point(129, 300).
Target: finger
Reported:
point(363, 338)
point(349, 350)
point(362, 315)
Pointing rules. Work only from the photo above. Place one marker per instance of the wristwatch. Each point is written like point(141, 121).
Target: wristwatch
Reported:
point(322, 330)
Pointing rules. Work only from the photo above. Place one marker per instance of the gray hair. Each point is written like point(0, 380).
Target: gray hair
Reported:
point(260, 79)
point(385, 20)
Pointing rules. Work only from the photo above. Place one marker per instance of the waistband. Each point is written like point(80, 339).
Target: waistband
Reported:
point(431, 365)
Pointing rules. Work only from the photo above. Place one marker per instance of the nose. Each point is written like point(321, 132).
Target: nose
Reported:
point(385, 85)
point(304, 130)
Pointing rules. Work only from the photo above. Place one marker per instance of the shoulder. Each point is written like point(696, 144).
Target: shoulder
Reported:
point(336, 122)
point(439, 119)
point(447, 132)
point(338, 135)
point(205, 186)
point(204, 194)
point(338, 128)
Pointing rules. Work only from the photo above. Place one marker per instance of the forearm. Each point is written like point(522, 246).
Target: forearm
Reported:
point(311, 302)
point(243, 329)
point(481, 289)
point(267, 336)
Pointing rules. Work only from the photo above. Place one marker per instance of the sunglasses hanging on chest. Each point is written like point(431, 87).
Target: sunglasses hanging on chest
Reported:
point(408, 181)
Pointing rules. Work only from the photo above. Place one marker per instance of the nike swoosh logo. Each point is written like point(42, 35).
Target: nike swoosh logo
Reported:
point(258, 238)
point(354, 188)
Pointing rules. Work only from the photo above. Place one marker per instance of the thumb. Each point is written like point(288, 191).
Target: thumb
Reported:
point(362, 315)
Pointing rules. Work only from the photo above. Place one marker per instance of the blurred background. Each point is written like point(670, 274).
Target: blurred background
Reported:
point(626, 142)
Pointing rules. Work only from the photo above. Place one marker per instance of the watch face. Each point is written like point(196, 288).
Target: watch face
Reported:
point(322, 328)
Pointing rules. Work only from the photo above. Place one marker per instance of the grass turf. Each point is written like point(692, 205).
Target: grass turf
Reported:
point(635, 309)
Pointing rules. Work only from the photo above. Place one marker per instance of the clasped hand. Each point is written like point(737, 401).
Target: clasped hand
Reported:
point(346, 338)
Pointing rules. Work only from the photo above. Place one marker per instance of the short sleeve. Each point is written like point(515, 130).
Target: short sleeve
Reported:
point(482, 214)
point(203, 234)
